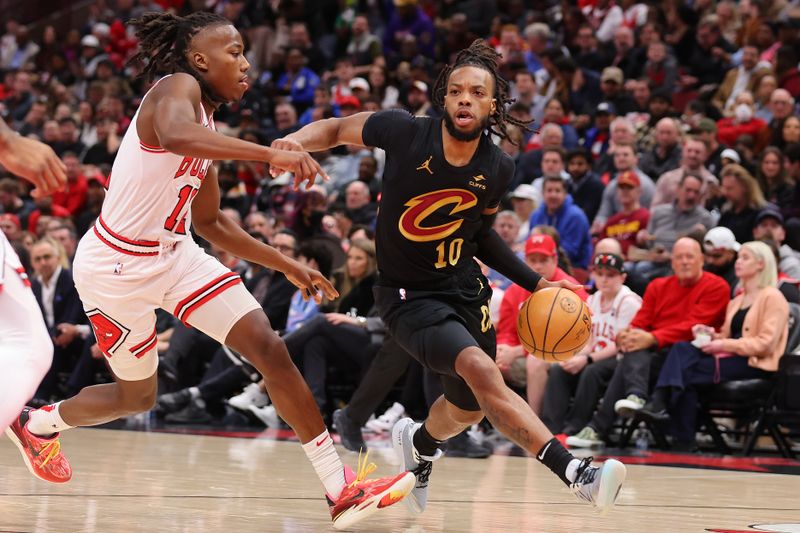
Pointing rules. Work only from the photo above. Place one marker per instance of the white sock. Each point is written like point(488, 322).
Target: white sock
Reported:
point(326, 462)
point(46, 421)
point(572, 470)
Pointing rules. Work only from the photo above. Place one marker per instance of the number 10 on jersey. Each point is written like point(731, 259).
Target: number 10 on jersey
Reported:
point(448, 253)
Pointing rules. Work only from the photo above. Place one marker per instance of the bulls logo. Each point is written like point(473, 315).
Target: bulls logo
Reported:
point(109, 333)
point(412, 221)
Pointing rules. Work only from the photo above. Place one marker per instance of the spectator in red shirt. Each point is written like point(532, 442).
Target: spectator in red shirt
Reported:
point(671, 306)
point(743, 121)
point(73, 196)
point(632, 217)
point(44, 208)
point(541, 254)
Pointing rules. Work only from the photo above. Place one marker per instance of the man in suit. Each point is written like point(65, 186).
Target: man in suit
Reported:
point(737, 80)
point(55, 292)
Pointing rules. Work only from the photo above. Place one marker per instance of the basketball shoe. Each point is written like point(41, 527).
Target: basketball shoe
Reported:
point(42, 456)
point(599, 485)
point(387, 420)
point(362, 497)
point(411, 460)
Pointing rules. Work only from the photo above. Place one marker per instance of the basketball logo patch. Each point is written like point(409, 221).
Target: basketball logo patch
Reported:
point(568, 305)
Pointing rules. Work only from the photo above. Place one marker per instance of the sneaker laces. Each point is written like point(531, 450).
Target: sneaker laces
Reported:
point(423, 472)
point(364, 469)
point(53, 448)
point(584, 476)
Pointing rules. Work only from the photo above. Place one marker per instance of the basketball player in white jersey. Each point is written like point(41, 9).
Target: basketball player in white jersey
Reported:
point(26, 350)
point(140, 256)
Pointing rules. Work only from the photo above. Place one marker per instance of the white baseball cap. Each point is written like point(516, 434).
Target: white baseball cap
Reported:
point(730, 153)
point(526, 191)
point(720, 238)
point(359, 83)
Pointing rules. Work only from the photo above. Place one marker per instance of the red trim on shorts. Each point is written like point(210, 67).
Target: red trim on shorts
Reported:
point(122, 250)
point(141, 349)
point(152, 149)
point(23, 276)
point(117, 236)
point(206, 293)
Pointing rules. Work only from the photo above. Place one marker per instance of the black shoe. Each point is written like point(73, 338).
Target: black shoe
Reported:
point(654, 412)
point(173, 402)
point(462, 445)
point(349, 432)
point(194, 413)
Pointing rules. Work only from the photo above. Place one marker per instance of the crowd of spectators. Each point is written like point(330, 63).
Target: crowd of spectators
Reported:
point(652, 123)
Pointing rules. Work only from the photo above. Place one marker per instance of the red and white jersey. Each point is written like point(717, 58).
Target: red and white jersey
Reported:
point(150, 193)
point(609, 321)
point(10, 263)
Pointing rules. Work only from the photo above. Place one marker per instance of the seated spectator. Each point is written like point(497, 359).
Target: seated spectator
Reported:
point(585, 186)
point(720, 249)
point(625, 160)
point(670, 308)
point(777, 186)
point(58, 299)
point(743, 121)
point(625, 225)
point(541, 254)
point(524, 201)
point(743, 201)
point(298, 81)
point(790, 132)
point(105, 149)
point(685, 214)
point(692, 162)
point(770, 225)
point(12, 202)
point(359, 207)
point(72, 196)
point(742, 78)
point(748, 346)
point(554, 113)
point(557, 210)
point(586, 375)
point(666, 154)
point(506, 225)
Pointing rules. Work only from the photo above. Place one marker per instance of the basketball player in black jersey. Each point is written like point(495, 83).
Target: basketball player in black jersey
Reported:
point(442, 186)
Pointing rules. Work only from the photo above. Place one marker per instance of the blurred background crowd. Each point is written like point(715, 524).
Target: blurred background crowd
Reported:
point(651, 121)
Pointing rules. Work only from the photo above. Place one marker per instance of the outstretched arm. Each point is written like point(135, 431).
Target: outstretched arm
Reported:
point(324, 134)
point(169, 120)
point(31, 160)
point(214, 226)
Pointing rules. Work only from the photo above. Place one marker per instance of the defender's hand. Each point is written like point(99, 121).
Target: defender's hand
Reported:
point(36, 162)
point(287, 144)
point(310, 282)
point(301, 164)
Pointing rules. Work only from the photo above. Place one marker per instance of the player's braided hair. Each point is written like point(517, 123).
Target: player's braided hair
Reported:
point(163, 41)
point(481, 55)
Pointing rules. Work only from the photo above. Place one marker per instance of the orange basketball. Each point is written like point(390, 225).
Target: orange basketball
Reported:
point(554, 324)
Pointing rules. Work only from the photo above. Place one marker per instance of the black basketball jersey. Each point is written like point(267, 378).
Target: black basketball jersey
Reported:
point(430, 211)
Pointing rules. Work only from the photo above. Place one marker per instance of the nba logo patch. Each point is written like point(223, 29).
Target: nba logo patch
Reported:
point(118, 269)
point(402, 294)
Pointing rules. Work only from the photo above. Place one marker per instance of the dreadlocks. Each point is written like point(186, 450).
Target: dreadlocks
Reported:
point(163, 41)
point(481, 55)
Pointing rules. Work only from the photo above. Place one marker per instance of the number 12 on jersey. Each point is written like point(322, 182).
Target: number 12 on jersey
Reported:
point(186, 194)
point(448, 254)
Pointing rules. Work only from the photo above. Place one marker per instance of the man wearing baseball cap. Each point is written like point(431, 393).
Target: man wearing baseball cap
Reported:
point(541, 254)
point(770, 225)
point(632, 217)
point(524, 200)
point(720, 249)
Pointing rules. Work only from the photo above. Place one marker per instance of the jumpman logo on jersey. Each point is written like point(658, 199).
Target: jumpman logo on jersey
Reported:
point(426, 166)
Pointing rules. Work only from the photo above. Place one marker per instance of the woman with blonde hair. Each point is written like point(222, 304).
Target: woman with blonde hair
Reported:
point(749, 345)
point(743, 201)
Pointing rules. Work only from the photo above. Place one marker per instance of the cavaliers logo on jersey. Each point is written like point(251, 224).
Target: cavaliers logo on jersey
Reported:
point(412, 221)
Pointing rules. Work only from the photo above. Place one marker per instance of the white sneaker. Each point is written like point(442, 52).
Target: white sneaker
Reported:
point(411, 461)
point(627, 407)
point(387, 420)
point(251, 395)
point(267, 415)
point(599, 485)
point(585, 438)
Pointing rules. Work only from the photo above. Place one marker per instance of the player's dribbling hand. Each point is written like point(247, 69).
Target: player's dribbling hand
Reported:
point(311, 283)
point(561, 284)
point(36, 162)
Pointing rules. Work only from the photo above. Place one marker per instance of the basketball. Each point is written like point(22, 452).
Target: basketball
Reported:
point(554, 324)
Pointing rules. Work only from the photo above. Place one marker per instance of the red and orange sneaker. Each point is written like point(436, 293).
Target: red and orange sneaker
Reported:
point(42, 456)
point(363, 497)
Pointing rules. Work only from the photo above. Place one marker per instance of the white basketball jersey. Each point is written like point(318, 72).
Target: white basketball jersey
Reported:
point(150, 192)
point(10, 264)
point(608, 322)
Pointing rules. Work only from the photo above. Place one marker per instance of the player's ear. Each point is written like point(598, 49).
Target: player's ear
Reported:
point(199, 61)
point(493, 106)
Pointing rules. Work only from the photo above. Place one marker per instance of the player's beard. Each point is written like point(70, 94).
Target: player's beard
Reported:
point(464, 136)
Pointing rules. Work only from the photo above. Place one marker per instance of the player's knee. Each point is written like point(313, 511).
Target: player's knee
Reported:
point(268, 349)
point(477, 369)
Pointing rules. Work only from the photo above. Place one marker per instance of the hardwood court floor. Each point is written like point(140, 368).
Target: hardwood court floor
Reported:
point(153, 482)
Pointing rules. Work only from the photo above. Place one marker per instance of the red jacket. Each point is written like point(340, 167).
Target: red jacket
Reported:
point(513, 299)
point(72, 196)
point(669, 310)
point(728, 131)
